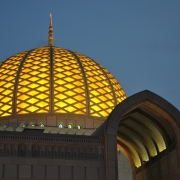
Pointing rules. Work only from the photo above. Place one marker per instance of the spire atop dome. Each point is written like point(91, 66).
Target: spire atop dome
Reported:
point(50, 37)
point(50, 19)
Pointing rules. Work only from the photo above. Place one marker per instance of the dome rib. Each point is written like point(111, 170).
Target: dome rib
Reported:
point(85, 83)
point(16, 82)
point(51, 108)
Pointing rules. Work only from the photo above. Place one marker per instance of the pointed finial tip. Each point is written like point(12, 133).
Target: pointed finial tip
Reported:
point(50, 37)
point(50, 19)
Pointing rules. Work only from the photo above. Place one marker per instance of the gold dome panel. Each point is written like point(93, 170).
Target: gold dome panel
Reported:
point(54, 80)
point(34, 82)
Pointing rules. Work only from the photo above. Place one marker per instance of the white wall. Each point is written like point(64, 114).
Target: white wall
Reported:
point(124, 167)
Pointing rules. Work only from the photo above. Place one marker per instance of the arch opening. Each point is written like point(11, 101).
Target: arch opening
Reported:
point(144, 134)
point(145, 126)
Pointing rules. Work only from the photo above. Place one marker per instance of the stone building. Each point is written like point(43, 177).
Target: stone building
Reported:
point(64, 116)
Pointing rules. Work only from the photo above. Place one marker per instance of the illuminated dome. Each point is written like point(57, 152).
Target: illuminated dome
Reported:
point(53, 80)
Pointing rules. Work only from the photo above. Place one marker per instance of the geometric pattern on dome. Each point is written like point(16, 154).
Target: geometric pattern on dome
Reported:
point(8, 70)
point(54, 80)
point(100, 92)
point(119, 92)
point(34, 83)
point(69, 88)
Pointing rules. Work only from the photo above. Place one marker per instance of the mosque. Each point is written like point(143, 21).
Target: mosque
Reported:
point(63, 116)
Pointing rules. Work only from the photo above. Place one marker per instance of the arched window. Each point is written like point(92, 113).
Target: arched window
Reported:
point(70, 126)
point(41, 124)
point(79, 126)
point(61, 125)
point(32, 124)
point(22, 125)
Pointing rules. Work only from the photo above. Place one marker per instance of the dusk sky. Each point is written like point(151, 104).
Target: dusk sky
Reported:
point(137, 41)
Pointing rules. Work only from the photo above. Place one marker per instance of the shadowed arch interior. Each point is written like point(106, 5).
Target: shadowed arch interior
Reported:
point(142, 130)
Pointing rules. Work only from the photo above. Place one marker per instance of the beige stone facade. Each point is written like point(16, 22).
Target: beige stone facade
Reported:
point(35, 155)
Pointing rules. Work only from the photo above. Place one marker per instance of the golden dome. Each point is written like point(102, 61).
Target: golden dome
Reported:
point(54, 80)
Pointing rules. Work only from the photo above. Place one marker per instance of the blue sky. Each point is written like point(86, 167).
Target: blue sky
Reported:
point(137, 41)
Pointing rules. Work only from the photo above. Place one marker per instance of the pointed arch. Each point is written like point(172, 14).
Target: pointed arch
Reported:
point(145, 112)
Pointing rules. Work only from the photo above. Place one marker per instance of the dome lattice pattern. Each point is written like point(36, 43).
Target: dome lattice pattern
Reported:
point(54, 80)
point(33, 83)
point(8, 71)
point(69, 91)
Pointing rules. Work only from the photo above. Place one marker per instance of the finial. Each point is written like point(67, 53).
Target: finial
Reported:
point(50, 19)
point(50, 37)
